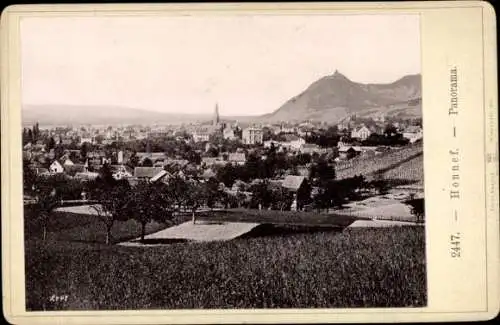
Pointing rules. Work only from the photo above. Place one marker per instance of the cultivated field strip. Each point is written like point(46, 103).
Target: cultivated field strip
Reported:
point(383, 163)
point(412, 170)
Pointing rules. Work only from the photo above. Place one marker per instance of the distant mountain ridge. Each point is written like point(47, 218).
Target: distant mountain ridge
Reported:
point(101, 115)
point(334, 97)
point(329, 99)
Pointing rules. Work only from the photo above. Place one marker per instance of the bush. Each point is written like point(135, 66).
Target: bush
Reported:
point(417, 208)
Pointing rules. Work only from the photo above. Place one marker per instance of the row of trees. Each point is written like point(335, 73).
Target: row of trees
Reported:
point(392, 139)
point(116, 200)
point(275, 165)
point(31, 134)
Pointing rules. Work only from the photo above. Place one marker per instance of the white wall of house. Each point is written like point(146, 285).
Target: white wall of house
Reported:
point(252, 136)
point(56, 167)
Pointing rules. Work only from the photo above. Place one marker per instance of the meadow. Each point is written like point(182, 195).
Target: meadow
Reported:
point(358, 267)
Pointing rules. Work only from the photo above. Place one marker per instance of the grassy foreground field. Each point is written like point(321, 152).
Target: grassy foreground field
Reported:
point(361, 267)
point(72, 227)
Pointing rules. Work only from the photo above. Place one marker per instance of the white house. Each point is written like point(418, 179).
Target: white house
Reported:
point(212, 161)
point(270, 143)
point(121, 172)
point(237, 158)
point(88, 140)
point(120, 157)
point(293, 142)
point(201, 135)
point(413, 133)
point(311, 148)
point(229, 134)
point(68, 162)
point(361, 133)
point(252, 135)
point(56, 167)
point(288, 129)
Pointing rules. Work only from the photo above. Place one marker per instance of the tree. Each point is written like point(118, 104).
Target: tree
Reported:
point(69, 189)
point(261, 195)
point(193, 157)
point(281, 199)
point(133, 161)
point(253, 166)
point(51, 143)
point(112, 204)
point(35, 133)
point(303, 195)
point(213, 152)
point(321, 200)
point(106, 176)
point(321, 171)
point(213, 192)
point(390, 130)
point(229, 200)
point(29, 176)
point(195, 198)
point(417, 208)
point(380, 184)
point(147, 162)
point(228, 174)
point(46, 202)
point(84, 150)
point(26, 139)
point(58, 151)
point(176, 190)
point(303, 159)
point(148, 203)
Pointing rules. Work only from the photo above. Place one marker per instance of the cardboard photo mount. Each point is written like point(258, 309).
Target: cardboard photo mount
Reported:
point(458, 61)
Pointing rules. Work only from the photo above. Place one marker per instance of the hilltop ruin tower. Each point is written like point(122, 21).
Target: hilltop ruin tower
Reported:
point(216, 115)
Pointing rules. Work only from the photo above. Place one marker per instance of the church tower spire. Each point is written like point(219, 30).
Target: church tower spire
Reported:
point(216, 114)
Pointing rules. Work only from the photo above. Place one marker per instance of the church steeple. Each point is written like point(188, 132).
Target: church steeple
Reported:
point(216, 115)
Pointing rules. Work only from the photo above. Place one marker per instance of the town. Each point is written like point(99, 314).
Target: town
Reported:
point(207, 150)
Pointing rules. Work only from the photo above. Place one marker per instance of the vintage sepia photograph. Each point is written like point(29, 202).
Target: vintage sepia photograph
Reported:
point(243, 161)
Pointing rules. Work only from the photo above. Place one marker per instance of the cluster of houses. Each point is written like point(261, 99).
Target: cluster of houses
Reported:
point(292, 141)
point(251, 134)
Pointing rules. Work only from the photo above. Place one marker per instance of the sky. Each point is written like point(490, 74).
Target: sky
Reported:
point(248, 64)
